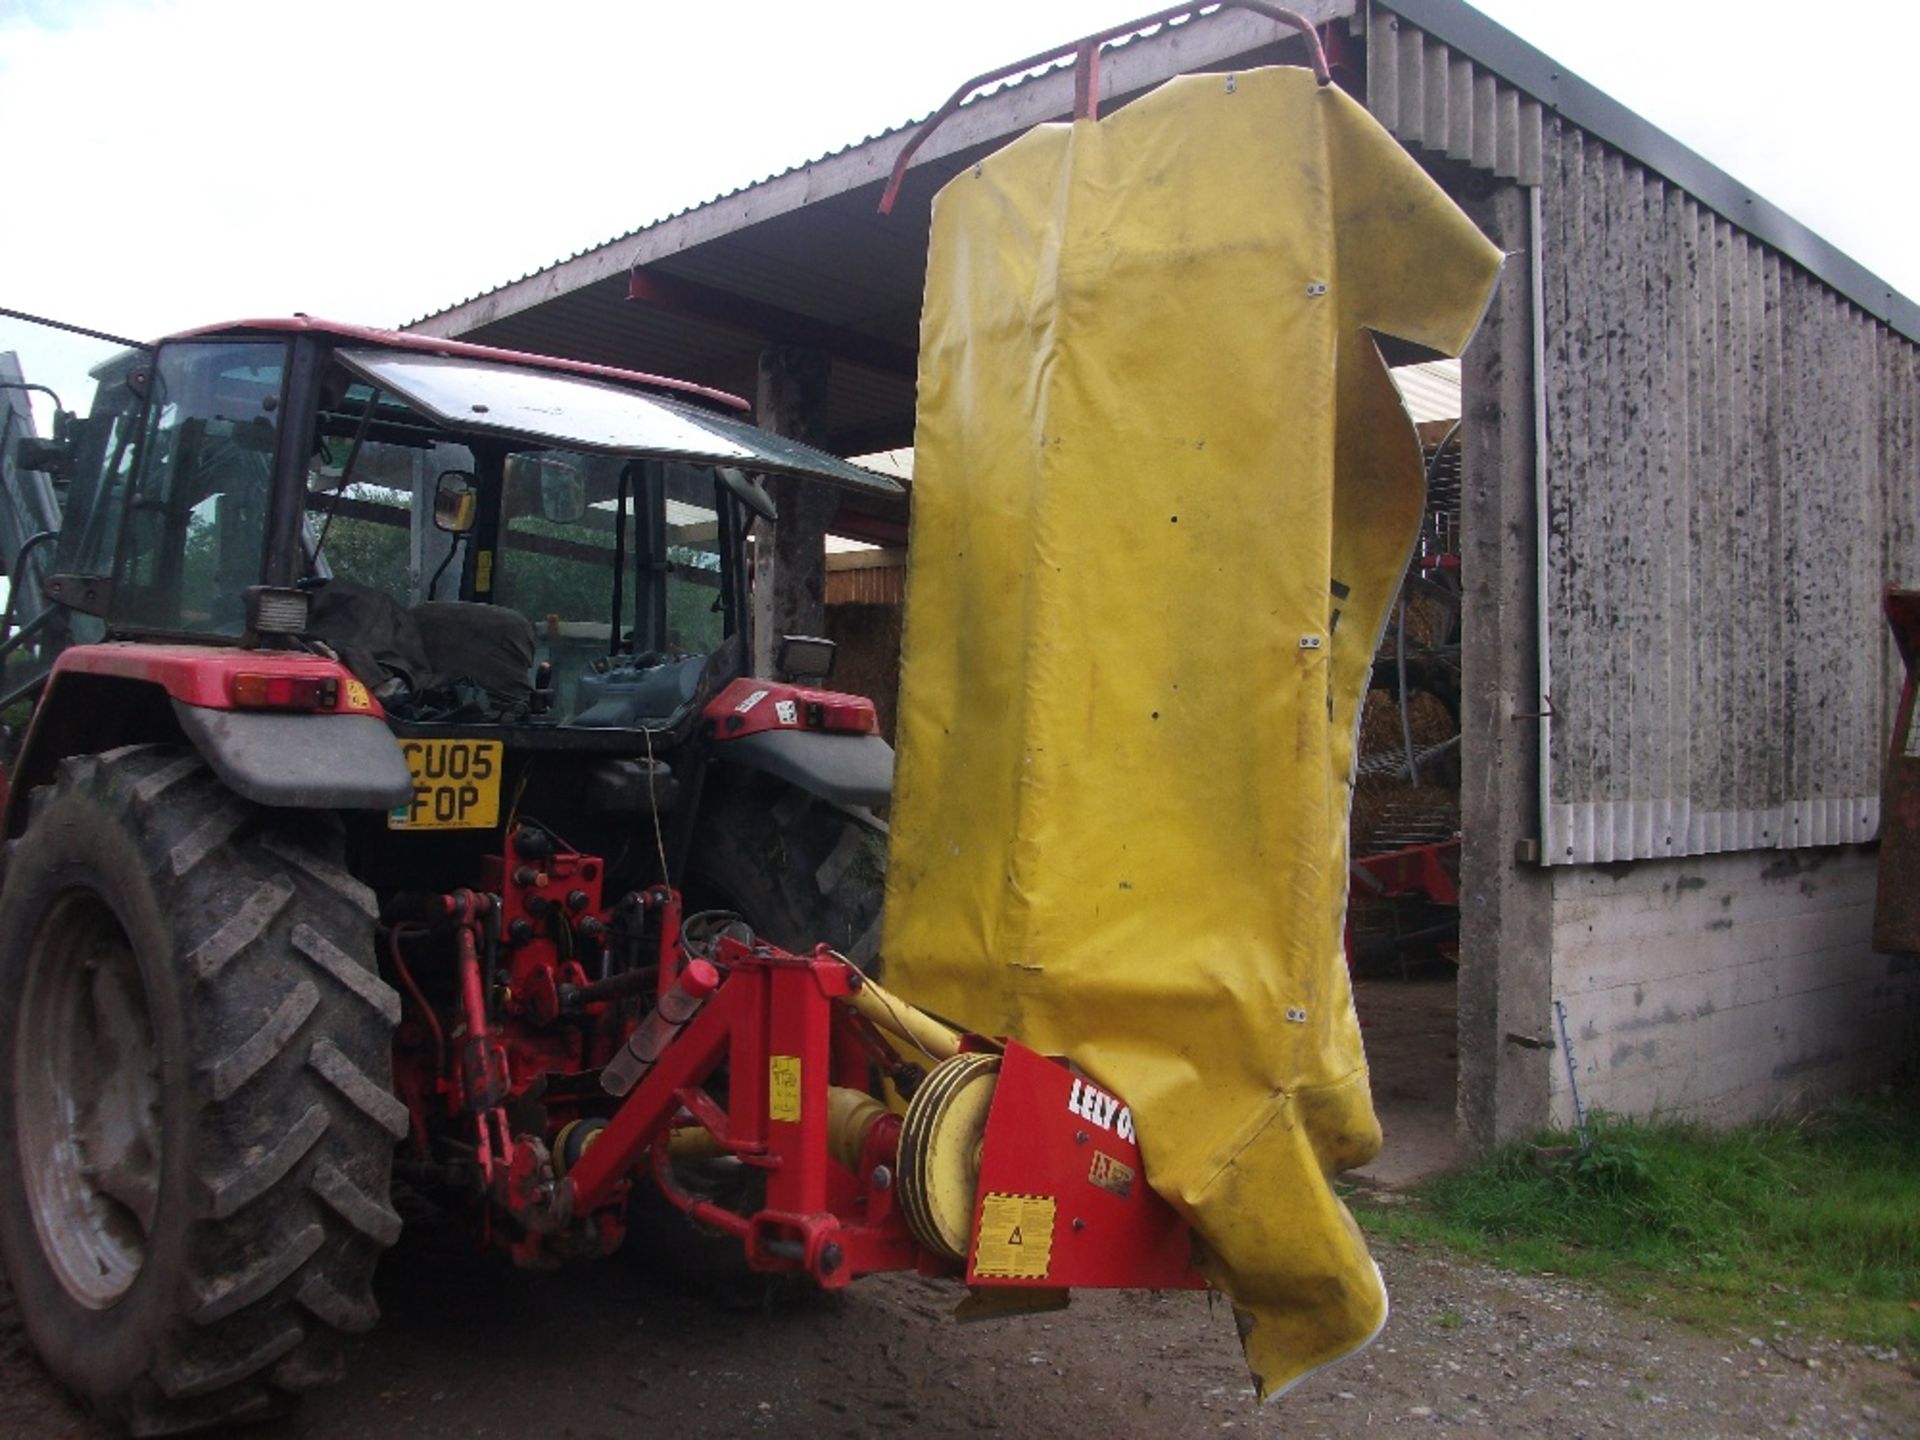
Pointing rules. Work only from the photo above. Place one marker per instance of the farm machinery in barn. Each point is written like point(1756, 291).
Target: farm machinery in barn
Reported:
point(396, 806)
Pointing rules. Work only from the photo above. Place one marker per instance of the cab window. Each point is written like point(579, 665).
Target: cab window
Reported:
point(194, 530)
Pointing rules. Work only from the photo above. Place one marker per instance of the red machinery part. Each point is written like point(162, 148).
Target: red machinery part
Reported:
point(775, 1023)
point(215, 679)
point(551, 913)
point(751, 707)
point(650, 1038)
point(1054, 1143)
point(1064, 1200)
point(1417, 870)
point(1060, 1179)
point(484, 1071)
point(553, 924)
point(1086, 79)
point(524, 1010)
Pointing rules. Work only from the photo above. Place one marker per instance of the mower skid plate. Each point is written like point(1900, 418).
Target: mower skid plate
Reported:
point(1063, 1199)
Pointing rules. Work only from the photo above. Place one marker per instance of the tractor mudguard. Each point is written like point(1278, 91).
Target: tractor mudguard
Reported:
point(300, 761)
point(101, 697)
point(845, 769)
point(820, 741)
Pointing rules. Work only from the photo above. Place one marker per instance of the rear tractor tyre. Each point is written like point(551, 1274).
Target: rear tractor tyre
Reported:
point(198, 1129)
point(801, 870)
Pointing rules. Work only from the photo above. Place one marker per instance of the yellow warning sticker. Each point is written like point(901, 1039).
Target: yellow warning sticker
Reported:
point(783, 1088)
point(483, 572)
point(357, 697)
point(1016, 1237)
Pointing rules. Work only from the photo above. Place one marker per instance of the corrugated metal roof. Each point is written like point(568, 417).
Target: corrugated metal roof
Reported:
point(1463, 85)
point(1129, 67)
point(807, 243)
point(1450, 79)
point(805, 240)
point(640, 230)
point(1430, 391)
point(898, 463)
point(902, 129)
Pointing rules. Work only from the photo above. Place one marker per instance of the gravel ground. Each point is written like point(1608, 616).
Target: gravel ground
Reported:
point(473, 1348)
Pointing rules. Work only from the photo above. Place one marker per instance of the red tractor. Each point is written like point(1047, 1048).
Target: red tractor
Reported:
point(396, 804)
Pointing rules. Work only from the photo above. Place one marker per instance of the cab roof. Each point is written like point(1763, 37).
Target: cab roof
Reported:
point(465, 350)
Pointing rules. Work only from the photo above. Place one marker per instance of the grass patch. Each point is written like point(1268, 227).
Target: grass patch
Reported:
point(1816, 1222)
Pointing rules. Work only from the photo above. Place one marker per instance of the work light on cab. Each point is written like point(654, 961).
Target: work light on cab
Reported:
point(275, 610)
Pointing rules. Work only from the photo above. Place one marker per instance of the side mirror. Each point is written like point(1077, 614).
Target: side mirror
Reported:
point(52, 458)
point(563, 494)
point(750, 493)
point(563, 490)
point(455, 504)
point(805, 657)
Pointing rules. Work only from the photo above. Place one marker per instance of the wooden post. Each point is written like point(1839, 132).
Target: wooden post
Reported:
point(790, 594)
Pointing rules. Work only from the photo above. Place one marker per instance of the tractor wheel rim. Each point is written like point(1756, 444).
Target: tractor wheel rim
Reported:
point(87, 1100)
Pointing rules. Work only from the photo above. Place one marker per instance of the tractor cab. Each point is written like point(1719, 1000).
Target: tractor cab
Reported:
point(433, 585)
point(294, 484)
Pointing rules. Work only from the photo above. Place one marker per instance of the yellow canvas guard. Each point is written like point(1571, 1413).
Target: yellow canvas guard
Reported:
point(1164, 495)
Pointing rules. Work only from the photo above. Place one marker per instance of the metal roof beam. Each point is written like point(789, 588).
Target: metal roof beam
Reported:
point(880, 435)
point(773, 323)
point(888, 530)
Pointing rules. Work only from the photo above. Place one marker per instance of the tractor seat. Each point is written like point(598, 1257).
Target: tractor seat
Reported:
point(489, 645)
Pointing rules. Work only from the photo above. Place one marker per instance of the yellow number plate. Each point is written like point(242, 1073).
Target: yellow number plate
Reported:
point(456, 786)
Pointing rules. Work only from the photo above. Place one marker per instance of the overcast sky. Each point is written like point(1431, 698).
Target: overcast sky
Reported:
point(176, 162)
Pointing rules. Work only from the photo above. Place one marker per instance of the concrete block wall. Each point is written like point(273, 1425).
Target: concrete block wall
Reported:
point(1725, 987)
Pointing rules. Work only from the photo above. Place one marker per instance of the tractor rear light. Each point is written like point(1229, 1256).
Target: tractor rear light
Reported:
point(251, 690)
point(849, 713)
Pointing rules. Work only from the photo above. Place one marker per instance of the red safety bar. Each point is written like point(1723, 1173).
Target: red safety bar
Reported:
point(1086, 73)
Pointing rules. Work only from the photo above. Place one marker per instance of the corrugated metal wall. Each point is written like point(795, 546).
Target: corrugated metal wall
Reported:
point(1430, 95)
point(1732, 476)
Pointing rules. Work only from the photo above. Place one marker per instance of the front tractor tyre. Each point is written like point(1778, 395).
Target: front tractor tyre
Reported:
point(196, 1078)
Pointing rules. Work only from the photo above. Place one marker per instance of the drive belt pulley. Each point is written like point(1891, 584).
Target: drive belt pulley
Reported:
point(940, 1143)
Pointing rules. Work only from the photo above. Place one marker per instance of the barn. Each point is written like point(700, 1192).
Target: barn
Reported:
point(1682, 464)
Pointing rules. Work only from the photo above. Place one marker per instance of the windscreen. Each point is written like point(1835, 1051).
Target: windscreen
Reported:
point(479, 577)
